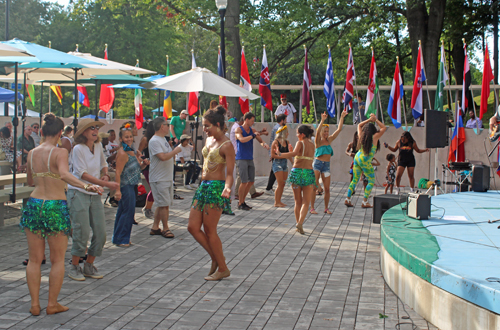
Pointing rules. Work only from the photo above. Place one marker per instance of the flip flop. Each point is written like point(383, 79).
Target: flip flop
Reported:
point(178, 197)
point(167, 234)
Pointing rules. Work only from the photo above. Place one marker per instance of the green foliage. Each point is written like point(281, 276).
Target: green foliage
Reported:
point(308, 118)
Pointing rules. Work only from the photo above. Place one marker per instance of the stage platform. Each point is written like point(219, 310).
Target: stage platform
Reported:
point(448, 267)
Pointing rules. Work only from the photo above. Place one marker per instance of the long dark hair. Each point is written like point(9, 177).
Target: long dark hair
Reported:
point(367, 138)
point(150, 131)
point(355, 142)
point(408, 137)
point(306, 130)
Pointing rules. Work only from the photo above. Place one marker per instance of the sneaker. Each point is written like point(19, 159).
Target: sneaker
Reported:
point(227, 213)
point(269, 192)
point(148, 213)
point(188, 187)
point(193, 185)
point(89, 270)
point(75, 273)
point(243, 207)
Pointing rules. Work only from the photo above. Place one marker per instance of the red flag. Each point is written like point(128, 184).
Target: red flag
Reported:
point(244, 83)
point(193, 96)
point(485, 86)
point(349, 79)
point(306, 84)
point(107, 94)
point(83, 91)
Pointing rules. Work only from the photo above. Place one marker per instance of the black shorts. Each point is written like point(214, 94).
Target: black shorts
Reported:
point(407, 162)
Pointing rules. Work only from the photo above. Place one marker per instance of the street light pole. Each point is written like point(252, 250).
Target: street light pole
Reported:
point(222, 5)
point(7, 3)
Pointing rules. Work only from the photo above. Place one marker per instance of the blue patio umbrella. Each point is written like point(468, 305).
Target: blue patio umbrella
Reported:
point(160, 109)
point(6, 95)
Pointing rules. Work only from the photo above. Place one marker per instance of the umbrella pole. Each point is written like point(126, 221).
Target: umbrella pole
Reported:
point(96, 103)
point(15, 123)
point(75, 120)
point(159, 100)
point(196, 134)
point(23, 119)
point(41, 105)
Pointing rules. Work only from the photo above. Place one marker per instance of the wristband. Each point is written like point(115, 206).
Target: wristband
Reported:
point(253, 135)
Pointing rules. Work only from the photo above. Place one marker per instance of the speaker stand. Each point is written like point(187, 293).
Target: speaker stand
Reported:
point(434, 187)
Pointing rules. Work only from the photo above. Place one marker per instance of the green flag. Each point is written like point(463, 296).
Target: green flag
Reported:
point(441, 82)
point(31, 93)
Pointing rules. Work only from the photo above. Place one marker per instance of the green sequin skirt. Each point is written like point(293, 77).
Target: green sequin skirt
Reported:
point(302, 177)
point(46, 217)
point(209, 194)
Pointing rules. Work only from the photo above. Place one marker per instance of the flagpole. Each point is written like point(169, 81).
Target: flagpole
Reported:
point(355, 84)
point(380, 104)
point(404, 103)
point(423, 67)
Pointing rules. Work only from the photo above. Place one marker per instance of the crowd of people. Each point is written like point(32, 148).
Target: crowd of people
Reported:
point(70, 167)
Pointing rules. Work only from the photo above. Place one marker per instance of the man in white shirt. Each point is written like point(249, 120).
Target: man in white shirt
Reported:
point(161, 176)
point(286, 108)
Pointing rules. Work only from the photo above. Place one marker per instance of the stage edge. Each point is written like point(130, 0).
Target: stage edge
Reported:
point(439, 307)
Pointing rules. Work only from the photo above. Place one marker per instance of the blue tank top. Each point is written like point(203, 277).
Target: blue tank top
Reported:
point(244, 151)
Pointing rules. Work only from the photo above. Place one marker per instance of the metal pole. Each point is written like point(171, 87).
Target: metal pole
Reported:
point(314, 106)
point(23, 119)
point(380, 104)
point(222, 13)
point(15, 122)
point(41, 105)
point(50, 99)
point(7, 5)
point(75, 120)
point(96, 102)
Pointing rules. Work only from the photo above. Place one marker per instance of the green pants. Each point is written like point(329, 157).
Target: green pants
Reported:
point(86, 212)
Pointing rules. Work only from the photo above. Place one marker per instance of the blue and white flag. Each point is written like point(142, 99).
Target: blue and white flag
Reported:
point(329, 87)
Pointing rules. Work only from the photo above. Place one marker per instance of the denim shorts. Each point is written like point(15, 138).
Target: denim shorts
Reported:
point(280, 165)
point(321, 166)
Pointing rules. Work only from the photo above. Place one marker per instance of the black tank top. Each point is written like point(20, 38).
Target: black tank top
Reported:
point(283, 148)
point(406, 151)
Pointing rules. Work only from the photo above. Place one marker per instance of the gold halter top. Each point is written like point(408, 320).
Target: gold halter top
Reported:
point(212, 158)
point(47, 174)
point(304, 150)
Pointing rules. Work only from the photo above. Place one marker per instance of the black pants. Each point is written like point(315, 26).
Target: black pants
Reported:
point(271, 181)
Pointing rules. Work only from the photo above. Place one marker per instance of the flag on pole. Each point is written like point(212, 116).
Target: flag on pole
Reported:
point(371, 93)
point(266, 99)
point(329, 87)
point(139, 115)
point(107, 96)
point(58, 92)
point(193, 96)
point(83, 97)
point(31, 93)
point(466, 94)
point(167, 100)
point(397, 93)
point(221, 73)
point(417, 108)
point(457, 151)
point(306, 84)
point(442, 78)
point(485, 86)
point(244, 83)
point(349, 79)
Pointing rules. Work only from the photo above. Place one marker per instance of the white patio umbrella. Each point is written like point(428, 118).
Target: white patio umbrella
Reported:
point(6, 50)
point(200, 80)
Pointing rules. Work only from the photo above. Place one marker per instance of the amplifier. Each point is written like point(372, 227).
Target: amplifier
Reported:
point(419, 206)
point(382, 203)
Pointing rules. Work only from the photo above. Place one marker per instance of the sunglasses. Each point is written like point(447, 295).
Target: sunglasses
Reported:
point(94, 128)
point(35, 127)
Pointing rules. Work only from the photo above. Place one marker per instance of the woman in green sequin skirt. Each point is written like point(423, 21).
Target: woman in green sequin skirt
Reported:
point(212, 196)
point(302, 175)
point(46, 214)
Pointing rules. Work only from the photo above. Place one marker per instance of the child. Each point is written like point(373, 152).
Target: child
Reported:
point(391, 172)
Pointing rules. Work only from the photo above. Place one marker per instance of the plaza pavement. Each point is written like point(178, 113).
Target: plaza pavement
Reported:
point(328, 278)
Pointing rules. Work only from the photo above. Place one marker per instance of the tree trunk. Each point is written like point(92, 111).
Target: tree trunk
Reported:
point(233, 49)
point(427, 27)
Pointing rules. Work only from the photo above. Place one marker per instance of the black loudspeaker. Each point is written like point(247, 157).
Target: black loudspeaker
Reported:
point(480, 178)
point(436, 129)
point(382, 203)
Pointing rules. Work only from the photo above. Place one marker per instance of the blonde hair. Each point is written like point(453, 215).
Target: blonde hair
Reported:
point(281, 133)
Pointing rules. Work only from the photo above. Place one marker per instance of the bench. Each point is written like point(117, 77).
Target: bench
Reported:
point(21, 193)
point(5, 167)
point(6, 179)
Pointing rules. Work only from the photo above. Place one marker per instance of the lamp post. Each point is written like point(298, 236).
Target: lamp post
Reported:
point(222, 5)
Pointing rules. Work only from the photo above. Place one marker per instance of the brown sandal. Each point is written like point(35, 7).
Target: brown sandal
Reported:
point(167, 234)
point(348, 203)
point(155, 232)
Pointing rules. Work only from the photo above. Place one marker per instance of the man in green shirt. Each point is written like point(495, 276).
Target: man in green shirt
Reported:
point(178, 126)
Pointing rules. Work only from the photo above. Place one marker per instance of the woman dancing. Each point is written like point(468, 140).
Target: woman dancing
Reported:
point(46, 214)
point(212, 196)
point(280, 168)
point(322, 155)
point(302, 175)
point(128, 176)
point(406, 144)
point(368, 144)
